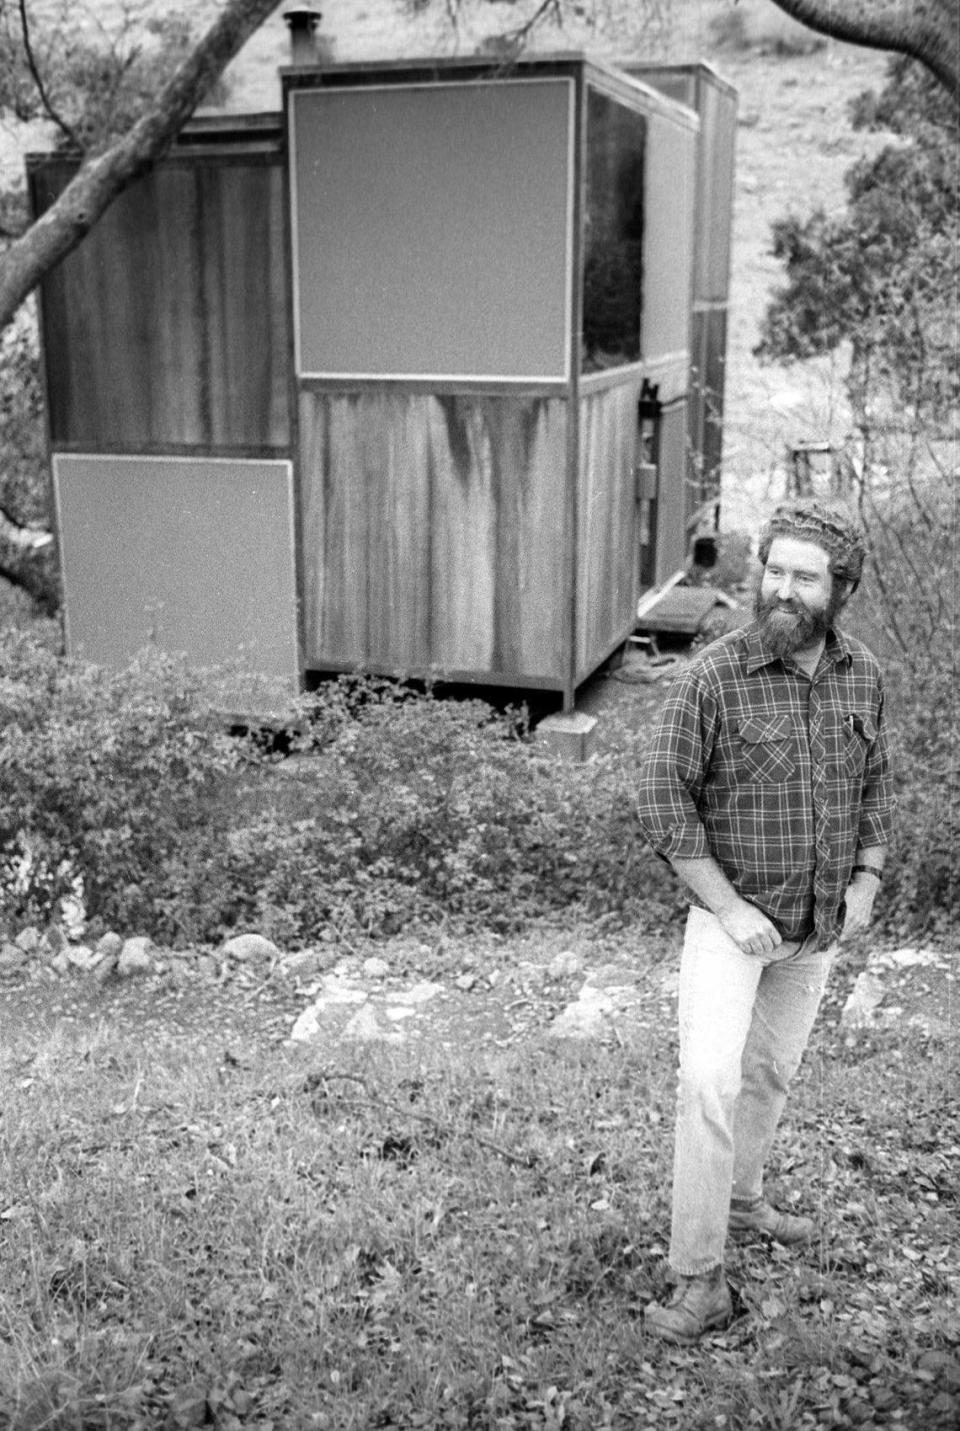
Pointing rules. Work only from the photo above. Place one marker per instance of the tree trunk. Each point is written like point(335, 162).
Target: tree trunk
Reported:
point(102, 177)
point(926, 30)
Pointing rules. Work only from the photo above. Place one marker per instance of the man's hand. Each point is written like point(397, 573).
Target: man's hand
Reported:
point(859, 905)
point(750, 928)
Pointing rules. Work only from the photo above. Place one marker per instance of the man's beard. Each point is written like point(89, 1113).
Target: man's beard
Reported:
point(790, 626)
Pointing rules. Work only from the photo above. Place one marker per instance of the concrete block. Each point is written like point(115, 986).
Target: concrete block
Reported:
point(571, 735)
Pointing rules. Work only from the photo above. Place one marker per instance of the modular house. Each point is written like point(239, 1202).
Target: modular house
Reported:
point(421, 376)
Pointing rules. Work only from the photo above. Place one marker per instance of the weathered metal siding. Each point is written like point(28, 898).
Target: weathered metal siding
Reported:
point(167, 327)
point(435, 534)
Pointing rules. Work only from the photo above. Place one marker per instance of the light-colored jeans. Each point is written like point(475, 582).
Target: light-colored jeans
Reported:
point(744, 1024)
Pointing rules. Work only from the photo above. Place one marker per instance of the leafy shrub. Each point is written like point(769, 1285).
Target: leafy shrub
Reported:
point(409, 812)
point(921, 886)
point(412, 810)
point(104, 777)
point(424, 811)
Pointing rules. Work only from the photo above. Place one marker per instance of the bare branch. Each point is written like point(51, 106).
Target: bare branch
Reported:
point(926, 30)
point(49, 107)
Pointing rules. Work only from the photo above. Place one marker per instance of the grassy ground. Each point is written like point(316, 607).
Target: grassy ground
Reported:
point(309, 1239)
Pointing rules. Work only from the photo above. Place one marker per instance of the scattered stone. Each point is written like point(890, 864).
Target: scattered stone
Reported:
point(178, 971)
point(864, 998)
point(54, 940)
point(364, 1026)
point(376, 968)
point(82, 958)
point(565, 965)
point(12, 960)
point(608, 976)
point(302, 964)
point(418, 993)
point(137, 956)
point(108, 946)
point(862, 1009)
point(337, 990)
point(251, 949)
point(306, 1026)
point(60, 963)
point(466, 982)
point(585, 1017)
point(206, 966)
point(105, 969)
point(905, 959)
point(29, 940)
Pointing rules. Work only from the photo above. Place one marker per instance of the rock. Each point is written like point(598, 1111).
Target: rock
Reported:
point(334, 989)
point(418, 993)
point(865, 996)
point(307, 1026)
point(108, 946)
point(364, 1026)
point(466, 982)
point(303, 964)
point(376, 968)
point(29, 940)
point(12, 960)
point(104, 969)
point(251, 949)
point(904, 959)
point(585, 1017)
point(565, 965)
point(80, 957)
point(54, 940)
point(137, 956)
point(608, 976)
point(177, 971)
point(60, 962)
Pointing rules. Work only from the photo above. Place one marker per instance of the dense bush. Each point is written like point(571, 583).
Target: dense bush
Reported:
point(105, 777)
point(921, 886)
point(427, 811)
point(408, 812)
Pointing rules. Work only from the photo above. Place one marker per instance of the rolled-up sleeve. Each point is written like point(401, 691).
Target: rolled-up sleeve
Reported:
point(877, 802)
point(672, 773)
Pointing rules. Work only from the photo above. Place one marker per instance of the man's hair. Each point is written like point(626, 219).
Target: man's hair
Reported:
point(831, 526)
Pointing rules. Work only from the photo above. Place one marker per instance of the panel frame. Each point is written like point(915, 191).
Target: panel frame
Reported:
point(283, 466)
point(446, 379)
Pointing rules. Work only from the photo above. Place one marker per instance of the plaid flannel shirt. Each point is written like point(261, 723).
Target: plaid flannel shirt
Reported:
point(780, 778)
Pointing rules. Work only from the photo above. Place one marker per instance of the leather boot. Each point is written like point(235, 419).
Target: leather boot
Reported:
point(763, 1220)
point(697, 1305)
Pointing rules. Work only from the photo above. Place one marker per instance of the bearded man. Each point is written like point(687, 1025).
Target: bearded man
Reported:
point(767, 788)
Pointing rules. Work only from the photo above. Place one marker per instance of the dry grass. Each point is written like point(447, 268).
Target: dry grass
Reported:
point(303, 1240)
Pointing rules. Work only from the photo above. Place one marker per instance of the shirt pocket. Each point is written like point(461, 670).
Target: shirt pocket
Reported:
point(857, 734)
point(767, 748)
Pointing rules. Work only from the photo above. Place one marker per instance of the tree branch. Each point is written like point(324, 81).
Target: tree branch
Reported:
point(52, 112)
point(926, 30)
point(103, 177)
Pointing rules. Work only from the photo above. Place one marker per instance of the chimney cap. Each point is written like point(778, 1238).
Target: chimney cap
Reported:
point(306, 17)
